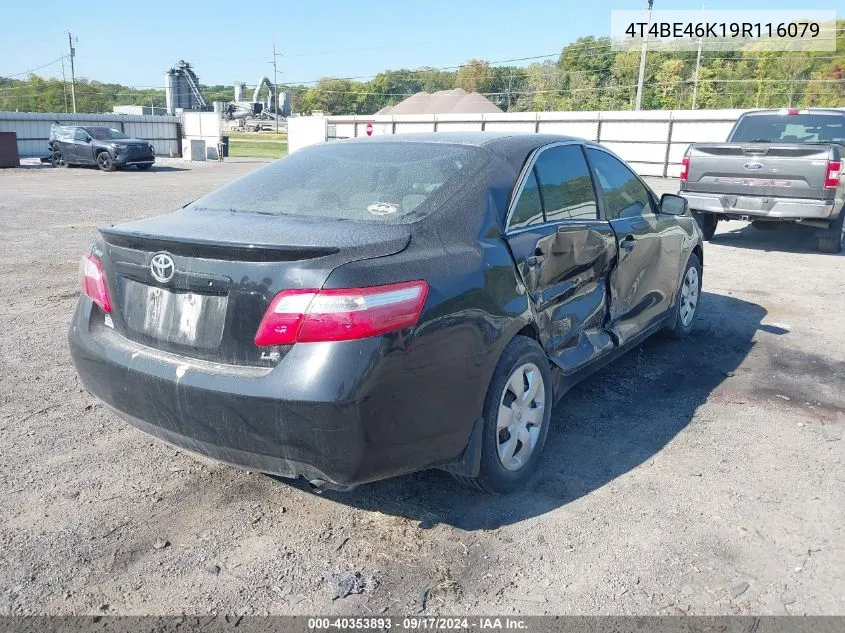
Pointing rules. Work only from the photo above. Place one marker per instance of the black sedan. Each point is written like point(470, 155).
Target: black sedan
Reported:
point(372, 307)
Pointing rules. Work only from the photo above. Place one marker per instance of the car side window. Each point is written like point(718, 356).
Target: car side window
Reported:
point(528, 209)
point(565, 184)
point(624, 195)
point(80, 135)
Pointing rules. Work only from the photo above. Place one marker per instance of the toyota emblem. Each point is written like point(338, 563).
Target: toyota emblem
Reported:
point(162, 267)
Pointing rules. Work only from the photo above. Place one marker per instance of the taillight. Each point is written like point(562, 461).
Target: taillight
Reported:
point(93, 281)
point(684, 168)
point(310, 316)
point(831, 178)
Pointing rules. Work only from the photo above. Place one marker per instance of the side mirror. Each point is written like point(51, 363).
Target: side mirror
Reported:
point(672, 204)
point(87, 139)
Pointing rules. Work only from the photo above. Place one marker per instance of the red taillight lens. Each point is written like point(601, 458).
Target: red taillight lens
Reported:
point(684, 168)
point(834, 171)
point(93, 281)
point(310, 316)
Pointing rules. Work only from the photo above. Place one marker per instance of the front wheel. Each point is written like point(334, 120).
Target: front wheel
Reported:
point(105, 162)
point(689, 295)
point(707, 223)
point(517, 410)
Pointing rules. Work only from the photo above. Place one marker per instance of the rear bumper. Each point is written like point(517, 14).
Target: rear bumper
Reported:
point(761, 206)
point(344, 413)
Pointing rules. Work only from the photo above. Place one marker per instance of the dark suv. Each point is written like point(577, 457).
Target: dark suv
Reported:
point(104, 147)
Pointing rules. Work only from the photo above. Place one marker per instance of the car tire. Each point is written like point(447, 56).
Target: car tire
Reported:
point(105, 162)
point(523, 362)
point(58, 160)
point(689, 292)
point(707, 222)
point(834, 240)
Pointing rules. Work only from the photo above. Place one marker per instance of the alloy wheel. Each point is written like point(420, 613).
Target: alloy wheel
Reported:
point(521, 412)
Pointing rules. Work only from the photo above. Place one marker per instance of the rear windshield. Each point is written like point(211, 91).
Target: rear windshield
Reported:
point(791, 128)
point(104, 133)
point(361, 181)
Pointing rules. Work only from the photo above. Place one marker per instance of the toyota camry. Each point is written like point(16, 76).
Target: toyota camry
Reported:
point(371, 307)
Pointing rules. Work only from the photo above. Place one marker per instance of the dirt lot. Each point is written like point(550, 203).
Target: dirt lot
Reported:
point(702, 477)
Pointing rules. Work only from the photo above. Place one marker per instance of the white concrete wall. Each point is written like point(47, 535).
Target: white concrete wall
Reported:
point(652, 141)
point(202, 126)
point(33, 129)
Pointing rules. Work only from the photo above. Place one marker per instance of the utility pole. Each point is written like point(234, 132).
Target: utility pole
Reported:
point(64, 83)
point(72, 75)
point(275, 86)
point(641, 77)
point(697, 66)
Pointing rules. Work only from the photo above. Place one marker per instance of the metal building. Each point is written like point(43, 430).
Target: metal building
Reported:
point(182, 89)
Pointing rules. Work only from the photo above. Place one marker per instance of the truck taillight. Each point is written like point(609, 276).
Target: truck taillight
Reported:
point(684, 168)
point(310, 316)
point(93, 281)
point(834, 170)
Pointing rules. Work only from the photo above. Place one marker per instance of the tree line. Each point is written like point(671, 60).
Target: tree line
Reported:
point(588, 75)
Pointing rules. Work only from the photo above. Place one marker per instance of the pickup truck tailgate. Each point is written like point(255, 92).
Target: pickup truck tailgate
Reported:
point(759, 169)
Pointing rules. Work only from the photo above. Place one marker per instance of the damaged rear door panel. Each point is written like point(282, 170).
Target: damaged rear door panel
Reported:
point(565, 255)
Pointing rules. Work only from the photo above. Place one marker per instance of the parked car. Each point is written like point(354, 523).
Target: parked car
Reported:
point(371, 307)
point(107, 148)
point(777, 166)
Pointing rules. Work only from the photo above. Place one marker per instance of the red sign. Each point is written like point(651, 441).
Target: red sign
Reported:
point(369, 129)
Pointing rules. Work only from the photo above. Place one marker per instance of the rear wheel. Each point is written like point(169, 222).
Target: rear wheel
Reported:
point(707, 223)
point(834, 240)
point(689, 295)
point(105, 162)
point(516, 418)
point(58, 159)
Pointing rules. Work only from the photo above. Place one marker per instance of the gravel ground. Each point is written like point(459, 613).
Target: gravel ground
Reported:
point(702, 477)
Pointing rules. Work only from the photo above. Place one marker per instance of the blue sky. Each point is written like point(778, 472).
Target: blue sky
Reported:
point(134, 42)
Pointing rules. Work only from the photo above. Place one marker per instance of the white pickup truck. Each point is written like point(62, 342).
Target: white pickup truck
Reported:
point(776, 166)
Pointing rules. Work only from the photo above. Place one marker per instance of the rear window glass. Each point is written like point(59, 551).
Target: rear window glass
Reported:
point(791, 128)
point(361, 181)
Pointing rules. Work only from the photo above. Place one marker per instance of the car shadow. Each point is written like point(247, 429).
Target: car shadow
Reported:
point(604, 427)
point(785, 238)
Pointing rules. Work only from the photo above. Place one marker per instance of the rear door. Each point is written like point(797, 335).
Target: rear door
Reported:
point(564, 253)
point(79, 151)
point(644, 282)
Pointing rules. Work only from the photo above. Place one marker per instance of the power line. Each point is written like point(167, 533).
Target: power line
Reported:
point(27, 72)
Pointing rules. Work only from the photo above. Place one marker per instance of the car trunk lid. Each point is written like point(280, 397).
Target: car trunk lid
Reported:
point(226, 268)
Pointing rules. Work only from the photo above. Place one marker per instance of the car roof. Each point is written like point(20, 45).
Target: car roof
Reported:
point(514, 147)
point(838, 111)
point(480, 139)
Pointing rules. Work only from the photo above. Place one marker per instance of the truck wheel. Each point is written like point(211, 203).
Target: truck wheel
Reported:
point(833, 241)
point(707, 223)
point(105, 162)
point(517, 410)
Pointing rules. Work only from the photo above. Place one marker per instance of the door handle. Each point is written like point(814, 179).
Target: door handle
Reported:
point(628, 243)
point(535, 260)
